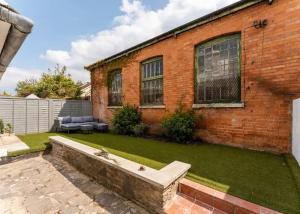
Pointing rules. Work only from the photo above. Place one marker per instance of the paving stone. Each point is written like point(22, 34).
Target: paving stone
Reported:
point(45, 184)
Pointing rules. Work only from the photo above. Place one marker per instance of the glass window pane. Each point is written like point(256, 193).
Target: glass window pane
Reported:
point(152, 69)
point(148, 70)
point(152, 89)
point(157, 68)
point(144, 71)
point(115, 88)
point(161, 67)
point(218, 71)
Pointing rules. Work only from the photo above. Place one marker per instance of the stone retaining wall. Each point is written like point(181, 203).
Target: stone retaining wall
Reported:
point(152, 189)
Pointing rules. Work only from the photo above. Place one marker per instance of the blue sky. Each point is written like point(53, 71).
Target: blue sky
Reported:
point(58, 22)
point(77, 33)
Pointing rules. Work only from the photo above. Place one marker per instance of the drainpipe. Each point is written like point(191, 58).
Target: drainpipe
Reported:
point(20, 28)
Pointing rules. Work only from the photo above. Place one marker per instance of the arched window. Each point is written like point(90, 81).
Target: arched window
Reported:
point(218, 71)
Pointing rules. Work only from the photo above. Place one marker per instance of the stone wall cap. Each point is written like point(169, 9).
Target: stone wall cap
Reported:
point(173, 171)
point(161, 178)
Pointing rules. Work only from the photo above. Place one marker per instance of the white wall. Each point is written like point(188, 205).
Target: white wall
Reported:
point(296, 130)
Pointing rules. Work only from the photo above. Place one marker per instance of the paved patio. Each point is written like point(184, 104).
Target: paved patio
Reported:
point(47, 185)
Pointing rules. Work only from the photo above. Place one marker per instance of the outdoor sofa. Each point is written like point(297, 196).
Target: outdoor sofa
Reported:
point(80, 123)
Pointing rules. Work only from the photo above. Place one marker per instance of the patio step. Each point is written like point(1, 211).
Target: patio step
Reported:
point(220, 201)
point(183, 204)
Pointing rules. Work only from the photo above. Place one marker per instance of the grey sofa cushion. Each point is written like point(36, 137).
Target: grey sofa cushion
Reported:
point(71, 126)
point(76, 119)
point(91, 123)
point(65, 120)
point(87, 119)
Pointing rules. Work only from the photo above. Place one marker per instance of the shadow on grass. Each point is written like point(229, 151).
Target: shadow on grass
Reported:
point(258, 177)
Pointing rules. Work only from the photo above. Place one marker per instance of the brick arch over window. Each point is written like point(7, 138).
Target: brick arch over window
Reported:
point(218, 78)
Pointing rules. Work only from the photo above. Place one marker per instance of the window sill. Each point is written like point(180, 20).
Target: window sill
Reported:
point(114, 107)
point(219, 105)
point(153, 107)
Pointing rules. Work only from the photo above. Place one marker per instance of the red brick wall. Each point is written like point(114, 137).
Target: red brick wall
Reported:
point(270, 68)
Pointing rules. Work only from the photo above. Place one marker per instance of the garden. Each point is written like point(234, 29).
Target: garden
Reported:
point(267, 179)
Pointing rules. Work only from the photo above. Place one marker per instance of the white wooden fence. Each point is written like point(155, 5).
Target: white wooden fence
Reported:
point(38, 115)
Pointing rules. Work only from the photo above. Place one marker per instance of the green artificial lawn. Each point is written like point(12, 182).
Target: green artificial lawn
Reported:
point(262, 178)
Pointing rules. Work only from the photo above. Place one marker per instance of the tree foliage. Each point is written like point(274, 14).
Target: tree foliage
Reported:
point(6, 94)
point(53, 84)
point(26, 87)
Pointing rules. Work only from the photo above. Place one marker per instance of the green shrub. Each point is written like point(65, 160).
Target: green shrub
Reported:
point(1, 126)
point(125, 119)
point(180, 125)
point(8, 128)
point(141, 129)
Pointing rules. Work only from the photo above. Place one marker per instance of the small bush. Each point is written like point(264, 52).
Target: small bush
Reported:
point(125, 119)
point(1, 126)
point(8, 128)
point(180, 125)
point(141, 129)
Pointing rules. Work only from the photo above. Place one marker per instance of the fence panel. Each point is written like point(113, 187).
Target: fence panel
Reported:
point(19, 117)
point(32, 117)
point(86, 108)
point(43, 122)
point(38, 115)
point(6, 110)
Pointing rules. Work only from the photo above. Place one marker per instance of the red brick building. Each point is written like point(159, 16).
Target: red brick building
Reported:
point(238, 67)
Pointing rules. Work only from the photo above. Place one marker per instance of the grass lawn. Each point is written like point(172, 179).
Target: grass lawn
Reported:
point(259, 177)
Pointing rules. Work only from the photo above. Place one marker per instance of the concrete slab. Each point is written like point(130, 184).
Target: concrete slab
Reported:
point(12, 143)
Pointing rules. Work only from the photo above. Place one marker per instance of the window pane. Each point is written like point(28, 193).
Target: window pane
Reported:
point(152, 84)
point(144, 72)
point(218, 71)
point(152, 69)
point(157, 69)
point(115, 88)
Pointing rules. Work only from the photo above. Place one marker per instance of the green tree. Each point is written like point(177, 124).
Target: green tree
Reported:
point(53, 84)
point(6, 94)
point(26, 87)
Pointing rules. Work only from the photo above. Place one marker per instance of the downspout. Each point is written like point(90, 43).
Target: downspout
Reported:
point(20, 28)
